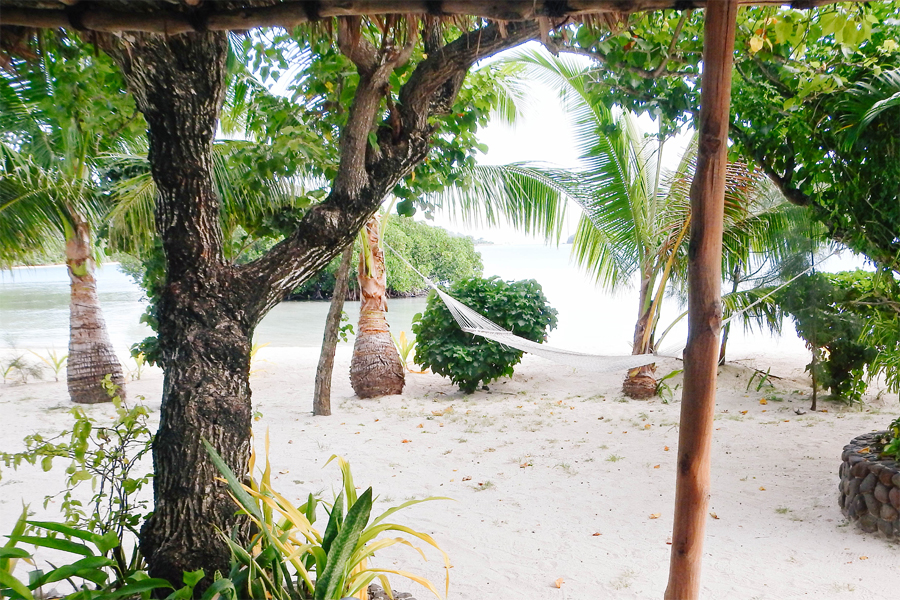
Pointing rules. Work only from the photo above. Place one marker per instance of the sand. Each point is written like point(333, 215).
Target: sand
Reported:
point(554, 475)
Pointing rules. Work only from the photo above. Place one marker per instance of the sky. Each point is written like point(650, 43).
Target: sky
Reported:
point(542, 135)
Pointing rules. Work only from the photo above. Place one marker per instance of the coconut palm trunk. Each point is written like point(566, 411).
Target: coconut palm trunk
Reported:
point(375, 369)
point(91, 355)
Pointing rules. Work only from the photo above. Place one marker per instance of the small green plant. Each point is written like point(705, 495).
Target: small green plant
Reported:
point(17, 368)
point(106, 455)
point(140, 359)
point(346, 329)
point(890, 441)
point(288, 550)
point(664, 390)
point(470, 361)
point(404, 347)
point(763, 379)
point(52, 360)
point(614, 458)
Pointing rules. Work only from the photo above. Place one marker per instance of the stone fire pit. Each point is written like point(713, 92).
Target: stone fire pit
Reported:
point(870, 487)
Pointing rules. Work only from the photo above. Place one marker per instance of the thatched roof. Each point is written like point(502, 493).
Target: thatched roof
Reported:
point(181, 16)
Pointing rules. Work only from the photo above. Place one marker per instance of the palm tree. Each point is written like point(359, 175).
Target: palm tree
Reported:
point(635, 221)
point(375, 369)
point(50, 197)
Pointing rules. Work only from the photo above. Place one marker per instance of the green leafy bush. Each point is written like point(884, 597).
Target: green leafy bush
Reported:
point(469, 361)
point(822, 309)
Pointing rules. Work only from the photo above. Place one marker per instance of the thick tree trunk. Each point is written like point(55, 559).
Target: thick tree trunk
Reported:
point(375, 369)
point(208, 309)
point(704, 305)
point(91, 355)
point(322, 393)
point(205, 329)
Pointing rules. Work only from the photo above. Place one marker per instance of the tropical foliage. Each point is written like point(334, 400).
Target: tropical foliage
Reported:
point(469, 361)
point(288, 558)
point(814, 102)
point(849, 322)
point(51, 141)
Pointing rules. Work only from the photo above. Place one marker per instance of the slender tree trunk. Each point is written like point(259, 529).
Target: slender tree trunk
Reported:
point(704, 305)
point(322, 393)
point(91, 355)
point(736, 279)
point(375, 369)
point(812, 372)
point(639, 383)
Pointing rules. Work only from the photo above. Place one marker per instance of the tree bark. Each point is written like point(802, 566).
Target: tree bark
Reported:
point(322, 393)
point(205, 331)
point(375, 369)
point(704, 305)
point(91, 355)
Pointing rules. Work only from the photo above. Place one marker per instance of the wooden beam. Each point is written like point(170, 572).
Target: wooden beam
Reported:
point(169, 19)
point(704, 304)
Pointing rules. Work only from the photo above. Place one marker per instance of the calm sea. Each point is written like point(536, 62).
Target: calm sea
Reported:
point(34, 309)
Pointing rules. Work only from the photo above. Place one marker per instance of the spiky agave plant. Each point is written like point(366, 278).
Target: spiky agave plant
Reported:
point(288, 551)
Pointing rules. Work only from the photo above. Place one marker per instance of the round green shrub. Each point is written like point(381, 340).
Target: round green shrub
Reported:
point(468, 360)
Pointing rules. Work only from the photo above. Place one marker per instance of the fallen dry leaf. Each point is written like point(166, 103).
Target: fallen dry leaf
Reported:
point(787, 420)
point(596, 534)
point(655, 515)
point(763, 401)
point(284, 472)
point(865, 450)
point(440, 424)
point(467, 478)
point(762, 489)
point(666, 448)
point(863, 558)
point(405, 441)
point(669, 541)
point(655, 466)
point(714, 515)
point(519, 406)
point(559, 582)
point(376, 420)
point(824, 410)
point(744, 412)
point(420, 426)
point(647, 426)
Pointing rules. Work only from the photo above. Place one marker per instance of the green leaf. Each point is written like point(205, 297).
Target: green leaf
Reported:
point(90, 568)
point(135, 589)
point(221, 588)
point(192, 578)
point(66, 530)
point(55, 543)
point(8, 581)
point(329, 581)
point(334, 522)
point(13, 553)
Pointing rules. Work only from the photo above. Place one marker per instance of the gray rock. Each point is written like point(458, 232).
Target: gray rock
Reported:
point(885, 527)
point(894, 497)
point(881, 493)
point(854, 486)
point(888, 513)
point(886, 476)
point(896, 480)
point(868, 523)
point(872, 505)
point(868, 484)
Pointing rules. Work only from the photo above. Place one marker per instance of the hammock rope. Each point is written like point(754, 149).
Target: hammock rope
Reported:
point(475, 323)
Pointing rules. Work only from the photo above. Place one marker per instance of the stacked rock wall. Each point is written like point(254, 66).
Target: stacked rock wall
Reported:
point(870, 487)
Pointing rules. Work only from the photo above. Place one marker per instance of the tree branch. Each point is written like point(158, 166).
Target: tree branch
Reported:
point(328, 227)
point(782, 182)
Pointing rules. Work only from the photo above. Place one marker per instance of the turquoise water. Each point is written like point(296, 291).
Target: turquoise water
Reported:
point(34, 308)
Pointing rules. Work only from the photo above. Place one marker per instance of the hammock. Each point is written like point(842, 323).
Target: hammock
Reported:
point(472, 322)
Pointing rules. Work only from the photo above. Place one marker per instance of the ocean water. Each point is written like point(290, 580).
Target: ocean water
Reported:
point(34, 309)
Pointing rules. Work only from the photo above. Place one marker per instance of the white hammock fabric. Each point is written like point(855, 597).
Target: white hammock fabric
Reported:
point(477, 324)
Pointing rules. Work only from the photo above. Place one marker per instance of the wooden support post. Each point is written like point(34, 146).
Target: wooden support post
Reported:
point(704, 305)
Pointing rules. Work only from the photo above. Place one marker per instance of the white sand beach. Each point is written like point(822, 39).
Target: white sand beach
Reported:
point(553, 475)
